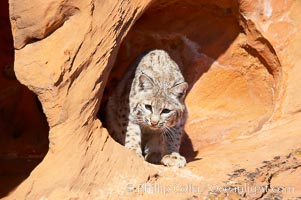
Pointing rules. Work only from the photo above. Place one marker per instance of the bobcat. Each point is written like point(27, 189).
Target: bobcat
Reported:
point(146, 111)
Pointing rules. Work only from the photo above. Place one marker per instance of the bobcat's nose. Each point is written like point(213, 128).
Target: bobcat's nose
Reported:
point(154, 120)
point(154, 123)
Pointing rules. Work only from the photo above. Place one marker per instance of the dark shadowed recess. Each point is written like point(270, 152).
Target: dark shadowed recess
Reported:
point(186, 30)
point(23, 126)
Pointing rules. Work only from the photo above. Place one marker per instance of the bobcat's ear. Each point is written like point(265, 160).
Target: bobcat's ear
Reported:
point(179, 91)
point(145, 82)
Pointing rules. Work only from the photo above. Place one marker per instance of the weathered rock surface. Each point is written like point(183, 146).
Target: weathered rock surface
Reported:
point(242, 60)
point(23, 127)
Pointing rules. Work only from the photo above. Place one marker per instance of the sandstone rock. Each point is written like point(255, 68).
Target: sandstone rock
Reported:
point(23, 127)
point(241, 59)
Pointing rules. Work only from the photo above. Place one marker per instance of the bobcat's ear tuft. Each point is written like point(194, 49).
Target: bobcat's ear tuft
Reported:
point(179, 91)
point(145, 82)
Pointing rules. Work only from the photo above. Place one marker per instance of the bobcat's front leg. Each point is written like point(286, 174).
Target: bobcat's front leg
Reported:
point(171, 156)
point(133, 138)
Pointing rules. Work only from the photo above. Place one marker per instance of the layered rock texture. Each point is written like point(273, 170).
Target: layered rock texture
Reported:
point(241, 58)
point(23, 126)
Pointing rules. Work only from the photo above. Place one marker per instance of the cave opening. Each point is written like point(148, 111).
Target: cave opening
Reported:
point(23, 125)
point(230, 90)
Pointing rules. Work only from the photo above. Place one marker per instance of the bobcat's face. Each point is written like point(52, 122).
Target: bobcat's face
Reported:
point(160, 108)
point(157, 114)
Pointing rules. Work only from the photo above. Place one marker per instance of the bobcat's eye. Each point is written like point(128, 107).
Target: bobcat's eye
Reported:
point(148, 107)
point(165, 110)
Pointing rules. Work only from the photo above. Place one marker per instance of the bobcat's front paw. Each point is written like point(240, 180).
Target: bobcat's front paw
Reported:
point(173, 159)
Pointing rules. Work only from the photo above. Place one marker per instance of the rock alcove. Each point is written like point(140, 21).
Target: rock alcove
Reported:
point(23, 126)
point(231, 85)
point(240, 102)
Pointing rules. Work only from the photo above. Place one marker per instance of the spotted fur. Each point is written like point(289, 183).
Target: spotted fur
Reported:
point(146, 111)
